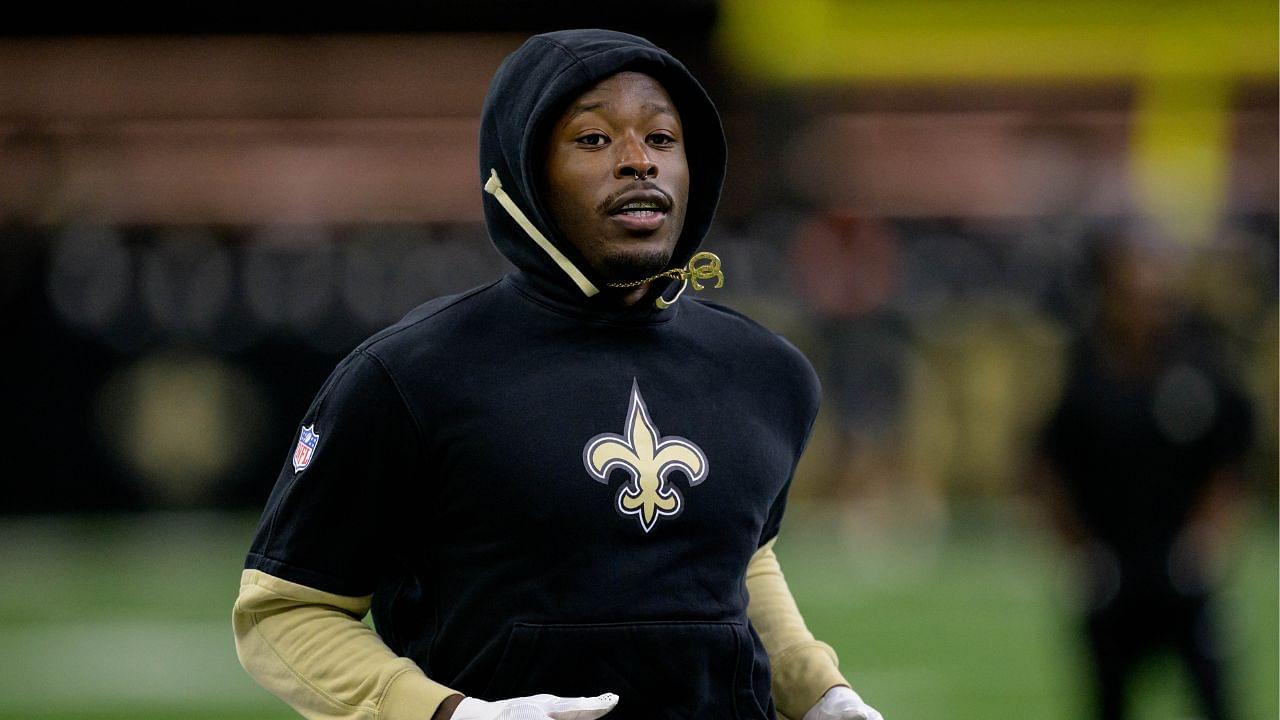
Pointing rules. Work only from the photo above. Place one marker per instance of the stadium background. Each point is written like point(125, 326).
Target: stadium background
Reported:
point(200, 214)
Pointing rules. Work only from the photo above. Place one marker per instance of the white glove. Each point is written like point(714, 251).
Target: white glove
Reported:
point(842, 703)
point(536, 707)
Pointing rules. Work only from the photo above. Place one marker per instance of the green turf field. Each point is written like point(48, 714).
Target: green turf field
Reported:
point(129, 618)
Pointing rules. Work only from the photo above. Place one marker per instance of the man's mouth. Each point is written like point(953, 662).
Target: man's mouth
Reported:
point(640, 207)
point(640, 210)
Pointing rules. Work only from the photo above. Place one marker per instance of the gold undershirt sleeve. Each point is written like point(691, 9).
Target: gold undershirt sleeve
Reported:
point(803, 668)
point(310, 649)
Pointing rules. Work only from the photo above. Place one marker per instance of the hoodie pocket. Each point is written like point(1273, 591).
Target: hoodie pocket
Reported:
point(660, 670)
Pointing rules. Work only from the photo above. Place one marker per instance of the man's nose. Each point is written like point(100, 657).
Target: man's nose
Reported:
point(634, 161)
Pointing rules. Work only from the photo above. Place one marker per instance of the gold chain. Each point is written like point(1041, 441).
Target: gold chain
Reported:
point(674, 274)
point(692, 272)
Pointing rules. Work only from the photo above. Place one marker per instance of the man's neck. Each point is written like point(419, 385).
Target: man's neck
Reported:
point(631, 296)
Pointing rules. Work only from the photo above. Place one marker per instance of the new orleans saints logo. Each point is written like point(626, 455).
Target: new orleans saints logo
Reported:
point(648, 458)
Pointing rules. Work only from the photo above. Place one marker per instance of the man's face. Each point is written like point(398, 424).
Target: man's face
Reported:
point(617, 181)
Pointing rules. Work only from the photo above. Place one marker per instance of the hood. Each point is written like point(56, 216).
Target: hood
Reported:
point(528, 93)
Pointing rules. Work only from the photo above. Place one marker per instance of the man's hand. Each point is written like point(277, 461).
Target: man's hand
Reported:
point(536, 707)
point(842, 703)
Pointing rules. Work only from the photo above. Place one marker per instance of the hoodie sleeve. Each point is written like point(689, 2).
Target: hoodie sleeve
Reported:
point(310, 649)
point(319, 555)
point(803, 668)
point(330, 519)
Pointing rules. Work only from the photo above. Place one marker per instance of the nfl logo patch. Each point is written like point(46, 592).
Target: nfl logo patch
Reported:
point(306, 447)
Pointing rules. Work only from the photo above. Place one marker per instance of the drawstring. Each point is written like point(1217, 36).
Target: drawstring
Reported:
point(494, 187)
point(690, 273)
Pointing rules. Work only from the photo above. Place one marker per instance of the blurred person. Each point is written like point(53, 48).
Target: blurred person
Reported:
point(1140, 464)
point(488, 474)
point(858, 261)
point(847, 267)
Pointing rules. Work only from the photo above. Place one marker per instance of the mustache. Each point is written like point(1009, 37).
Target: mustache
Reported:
point(642, 185)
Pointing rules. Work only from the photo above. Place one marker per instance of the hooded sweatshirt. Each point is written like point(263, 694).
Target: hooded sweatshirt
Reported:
point(541, 489)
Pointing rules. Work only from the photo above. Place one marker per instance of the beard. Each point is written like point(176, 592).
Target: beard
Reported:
point(634, 264)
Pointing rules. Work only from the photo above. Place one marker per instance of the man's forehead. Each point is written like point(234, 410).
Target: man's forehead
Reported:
point(648, 108)
point(601, 96)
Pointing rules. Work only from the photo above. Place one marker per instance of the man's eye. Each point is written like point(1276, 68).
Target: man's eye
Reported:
point(661, 138)
point(593, 139)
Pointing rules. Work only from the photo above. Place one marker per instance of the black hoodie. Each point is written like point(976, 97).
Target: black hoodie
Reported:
point(543, 489)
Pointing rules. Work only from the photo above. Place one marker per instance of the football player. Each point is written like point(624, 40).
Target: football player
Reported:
point(558, 492)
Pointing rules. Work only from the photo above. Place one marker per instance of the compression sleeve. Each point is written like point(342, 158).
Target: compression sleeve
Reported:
point(310, 649)
point(803, 668)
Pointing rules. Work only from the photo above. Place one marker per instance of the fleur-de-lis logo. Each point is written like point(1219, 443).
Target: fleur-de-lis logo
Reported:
point(648, 458)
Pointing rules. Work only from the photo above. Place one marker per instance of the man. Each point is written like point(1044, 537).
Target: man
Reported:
point(557, 490)
point(1139, 462)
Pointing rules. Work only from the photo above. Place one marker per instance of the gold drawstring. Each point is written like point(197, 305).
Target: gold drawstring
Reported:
point(691, 273)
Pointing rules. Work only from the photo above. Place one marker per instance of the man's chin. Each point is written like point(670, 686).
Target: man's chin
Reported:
point(634, 266)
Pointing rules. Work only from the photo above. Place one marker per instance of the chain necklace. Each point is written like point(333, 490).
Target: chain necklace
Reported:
point(693, 272)
point(702, 266)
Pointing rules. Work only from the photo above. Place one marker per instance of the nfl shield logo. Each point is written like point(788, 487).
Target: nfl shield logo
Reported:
point(306, 446)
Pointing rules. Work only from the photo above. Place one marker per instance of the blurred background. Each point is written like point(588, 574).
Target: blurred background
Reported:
point(1031, 249)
